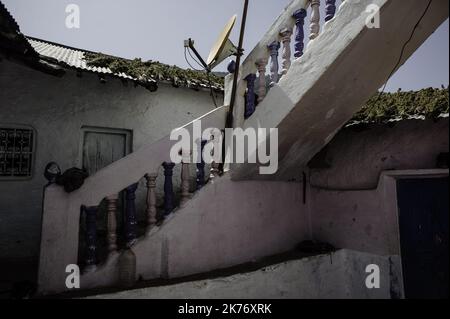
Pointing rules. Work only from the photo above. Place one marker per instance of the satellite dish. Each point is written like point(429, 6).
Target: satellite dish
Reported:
point(223, 48)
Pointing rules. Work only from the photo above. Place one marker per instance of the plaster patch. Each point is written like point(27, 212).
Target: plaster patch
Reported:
point(330, 114)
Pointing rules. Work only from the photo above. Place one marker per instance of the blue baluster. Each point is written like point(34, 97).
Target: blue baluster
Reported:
point(231, 66)
point(168, 188)
point(250, 96)
point(330, 9)
point(201, 167)
point(299, 16)
point(91, 237)
point(274, 47)
point(130, 215)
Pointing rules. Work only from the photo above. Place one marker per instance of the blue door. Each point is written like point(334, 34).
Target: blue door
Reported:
point(424, 211)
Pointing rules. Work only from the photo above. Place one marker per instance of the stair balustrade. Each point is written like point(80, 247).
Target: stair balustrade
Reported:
point(61, 241)
point(291, 23)
point(131, 234)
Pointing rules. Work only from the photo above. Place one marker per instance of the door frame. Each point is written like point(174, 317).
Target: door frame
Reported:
point(105, 130)
point(390, 179)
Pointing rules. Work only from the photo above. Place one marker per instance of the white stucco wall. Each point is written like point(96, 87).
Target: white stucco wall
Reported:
point(57, 109)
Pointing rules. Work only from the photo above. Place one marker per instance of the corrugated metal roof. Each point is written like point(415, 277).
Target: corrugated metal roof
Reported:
point(430, 103)
point(76, 58)
point(71, 57)
point(50, 57)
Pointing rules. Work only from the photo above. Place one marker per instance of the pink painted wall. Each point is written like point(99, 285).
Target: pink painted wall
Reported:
point(228, 223)
point(354, 220)
point(358, 155)
point(353, 202)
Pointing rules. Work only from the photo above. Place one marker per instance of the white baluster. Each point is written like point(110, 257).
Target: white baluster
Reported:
point(151, 200)
point(112, 222)
point(286, 35)
point(262, 90)
point(274, 47)
point(315, 19)
point(215, 171)
point(185, 176)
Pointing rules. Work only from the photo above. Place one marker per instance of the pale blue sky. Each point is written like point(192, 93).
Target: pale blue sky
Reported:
point(155, 29)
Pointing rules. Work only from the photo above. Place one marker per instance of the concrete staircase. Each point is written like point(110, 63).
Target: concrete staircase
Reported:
point(339, 71)
point(230, 222)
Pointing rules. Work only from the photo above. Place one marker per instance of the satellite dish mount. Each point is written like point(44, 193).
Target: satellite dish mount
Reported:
point(222, 49)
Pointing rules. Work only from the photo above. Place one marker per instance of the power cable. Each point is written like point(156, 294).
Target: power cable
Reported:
point(187, 50)
point(187, 61)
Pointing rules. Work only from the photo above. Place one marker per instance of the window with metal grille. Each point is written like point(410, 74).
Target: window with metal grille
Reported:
point(16, 152)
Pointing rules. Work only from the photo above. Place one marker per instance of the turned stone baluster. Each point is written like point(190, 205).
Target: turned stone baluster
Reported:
point(91, 237)
point(168, 188)
point(274, 66)
point(250, 97)
point(151, 200)
point(185, 176)
point(315, 19)
point(215, 167)
point(215, 170)
point(285, 35)
point(330, 9)
point(130, 215)
point(299, 16)
point(216, 155)
point(201, 168)
point(261, 64)
point(112, 222)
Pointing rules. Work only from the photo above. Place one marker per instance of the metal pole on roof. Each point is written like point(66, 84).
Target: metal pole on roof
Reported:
point(229, 122)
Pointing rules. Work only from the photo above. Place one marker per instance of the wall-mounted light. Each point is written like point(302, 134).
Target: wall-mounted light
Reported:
point(52, 172)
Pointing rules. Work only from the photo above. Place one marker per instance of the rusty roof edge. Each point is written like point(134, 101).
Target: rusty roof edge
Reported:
point(216, 86)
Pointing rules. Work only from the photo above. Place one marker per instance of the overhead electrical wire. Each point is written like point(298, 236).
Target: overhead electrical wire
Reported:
point(188, 51)
point(193, 58)
point(187, 61)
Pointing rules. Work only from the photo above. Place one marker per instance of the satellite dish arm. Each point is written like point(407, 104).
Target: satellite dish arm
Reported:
point(229, 123)
point(199, 57)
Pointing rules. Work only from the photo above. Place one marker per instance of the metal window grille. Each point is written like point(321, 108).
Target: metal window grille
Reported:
point(16, 152)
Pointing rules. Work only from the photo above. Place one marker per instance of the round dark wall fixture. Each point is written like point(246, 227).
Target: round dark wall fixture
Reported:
point(52, 172)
